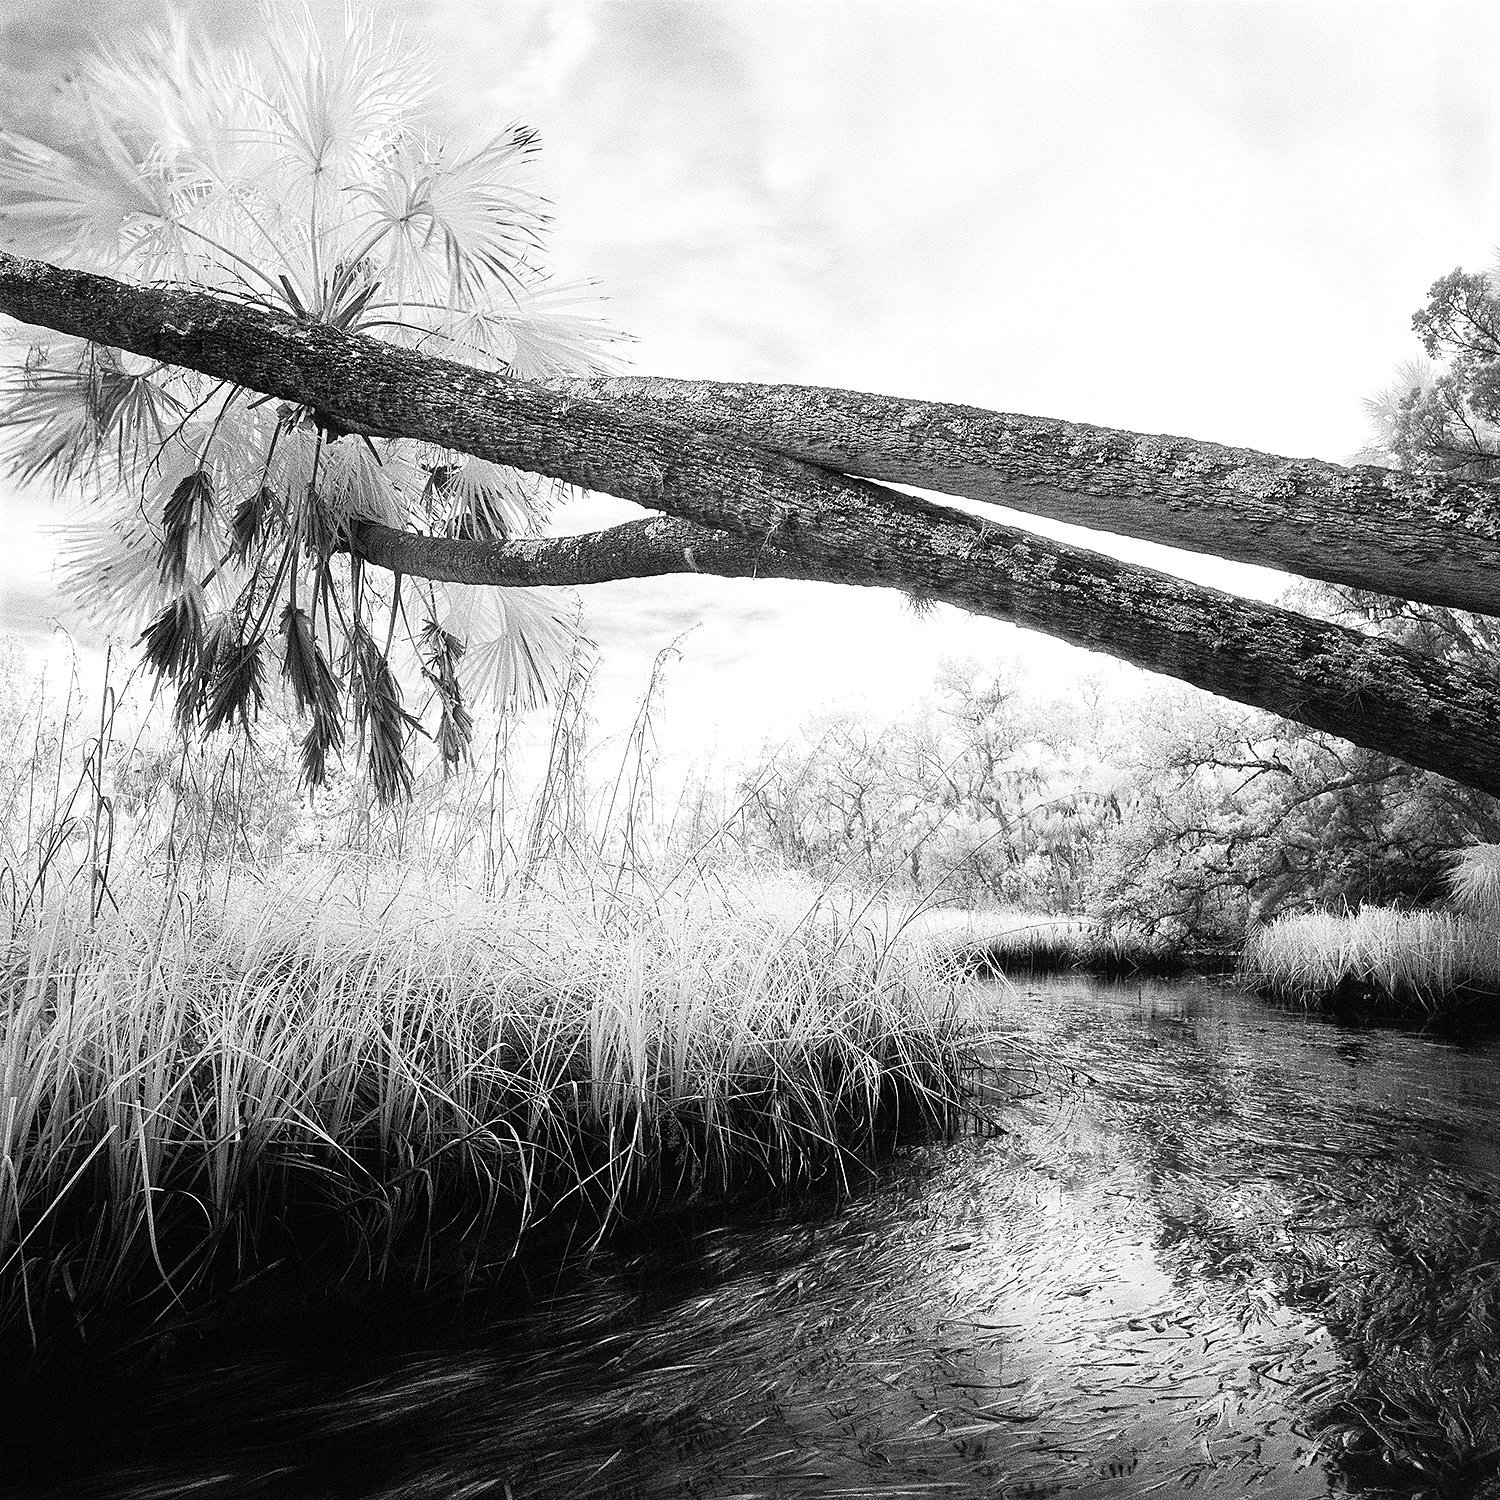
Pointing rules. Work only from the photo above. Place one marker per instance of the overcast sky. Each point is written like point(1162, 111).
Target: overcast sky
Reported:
point(1208, 219)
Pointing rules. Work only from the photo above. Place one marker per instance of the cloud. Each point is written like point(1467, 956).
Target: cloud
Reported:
point(1205, 219)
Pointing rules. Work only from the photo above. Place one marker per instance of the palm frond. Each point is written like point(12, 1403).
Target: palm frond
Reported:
point(355, 479)
point(251, 518)
point(517, 642)
point(182, 519)
point(553, 336)
point(456, 226)
point(441, 654)
point(174, 639)
point(385, 728)
point(324, 738)
point(313, 684)
point(303, 183)
point(475, 334)
point(195, 106)
point(234, 685)
point(337, 108)
point(316, 691)
point(47, 416)
point(72, 406)
point(109, 564)
point(72, 207)
point(474, 498)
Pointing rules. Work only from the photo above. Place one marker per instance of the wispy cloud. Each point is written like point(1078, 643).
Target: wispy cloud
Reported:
point(1213, 219)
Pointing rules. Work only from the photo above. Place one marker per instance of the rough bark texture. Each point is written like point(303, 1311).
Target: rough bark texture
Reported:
point(1367, 690)
point(1421, 537)
point(777, 516)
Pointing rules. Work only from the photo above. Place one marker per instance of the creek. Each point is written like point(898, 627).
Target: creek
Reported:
point(1098, 1299)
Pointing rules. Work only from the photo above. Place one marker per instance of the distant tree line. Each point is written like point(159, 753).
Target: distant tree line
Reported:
point(1178, 818)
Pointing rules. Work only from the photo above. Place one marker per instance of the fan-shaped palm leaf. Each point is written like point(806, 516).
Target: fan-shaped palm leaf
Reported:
point(489, 501)
point(517, 642)
point(335, 110)
point(73, 208)
point(305, 185)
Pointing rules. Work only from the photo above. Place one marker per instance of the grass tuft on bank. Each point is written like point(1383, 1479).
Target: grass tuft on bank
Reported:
point(337, 1060)
point(242, 1031)
point(1422, 962)
point(1013, 942)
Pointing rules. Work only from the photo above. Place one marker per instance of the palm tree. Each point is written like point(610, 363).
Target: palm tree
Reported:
point(219, 520)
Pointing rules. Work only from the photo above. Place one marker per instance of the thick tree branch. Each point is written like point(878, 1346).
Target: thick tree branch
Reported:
point(776, 516)
point(1425, 537)
point(652, 547)
point(1363, 688)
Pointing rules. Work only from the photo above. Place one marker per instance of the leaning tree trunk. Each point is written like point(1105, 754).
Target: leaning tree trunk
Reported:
point(1432, 538)
point(743, 511)
point(1363, 688)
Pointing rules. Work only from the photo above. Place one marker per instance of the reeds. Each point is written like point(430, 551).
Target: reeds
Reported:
point(1474, 882)
point(185, 1094)
point(388, 1067)
point(1408, 960)
point(1006, 941)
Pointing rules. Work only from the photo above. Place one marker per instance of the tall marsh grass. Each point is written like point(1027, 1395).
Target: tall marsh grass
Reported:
point(1004, 940)
point(401, 1066)
point(1409, 960)
point(1474, 882)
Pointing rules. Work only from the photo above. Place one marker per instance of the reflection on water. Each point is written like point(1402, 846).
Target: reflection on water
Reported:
point(1078, 1305)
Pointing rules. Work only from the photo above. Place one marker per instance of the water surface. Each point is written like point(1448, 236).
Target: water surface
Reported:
point(1088, 1302)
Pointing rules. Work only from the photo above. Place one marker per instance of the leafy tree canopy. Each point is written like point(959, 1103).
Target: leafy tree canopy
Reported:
point(1441, 415)
point(1445, 416)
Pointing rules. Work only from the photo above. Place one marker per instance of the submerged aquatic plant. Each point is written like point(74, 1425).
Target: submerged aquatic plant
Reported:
point(310, 185)
point(1416, 1408)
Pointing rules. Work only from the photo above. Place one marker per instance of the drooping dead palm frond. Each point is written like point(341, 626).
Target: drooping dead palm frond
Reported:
point(441, 653)
point(188, 507)
point(251, 517)
point(304, 664)
point(316, 692)
point(234, 677)
point(384, 727)
point(306, 185)
point(173, 641)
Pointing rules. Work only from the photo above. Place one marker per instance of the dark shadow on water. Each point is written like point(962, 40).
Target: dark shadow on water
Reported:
point(1189, 1264)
